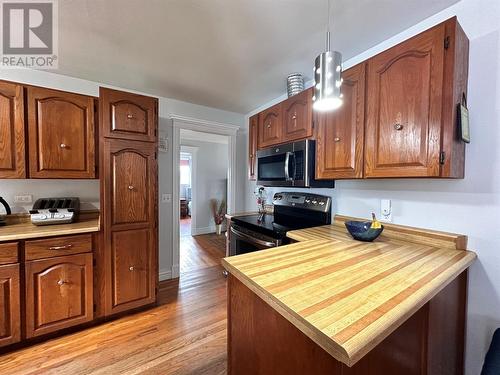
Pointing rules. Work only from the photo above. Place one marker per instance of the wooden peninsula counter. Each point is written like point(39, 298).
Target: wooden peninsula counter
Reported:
point(331, 305)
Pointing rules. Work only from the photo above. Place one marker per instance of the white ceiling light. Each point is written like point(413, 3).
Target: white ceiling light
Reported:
point(327, 77)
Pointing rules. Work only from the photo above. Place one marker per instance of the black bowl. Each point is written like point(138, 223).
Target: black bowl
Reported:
point(362, 231)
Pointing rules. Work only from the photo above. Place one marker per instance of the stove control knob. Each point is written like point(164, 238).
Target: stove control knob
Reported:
point(314, 202)
point(308, 201)
point(321, 203)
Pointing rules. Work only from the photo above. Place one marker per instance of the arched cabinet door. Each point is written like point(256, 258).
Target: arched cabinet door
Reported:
point(128, 116)
point(12, 151)
point(297, 116)
point(404, 106)
point(58, 293)
point(61, 134)
point(270, 126)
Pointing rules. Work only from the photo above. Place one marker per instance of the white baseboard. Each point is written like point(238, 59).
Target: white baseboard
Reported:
point(165, 274)
point(175, 271)
point(205, 230)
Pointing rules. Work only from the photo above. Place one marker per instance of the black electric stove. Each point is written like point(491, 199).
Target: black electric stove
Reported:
point(292, 211)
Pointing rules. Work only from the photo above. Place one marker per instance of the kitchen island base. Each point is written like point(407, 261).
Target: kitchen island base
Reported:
point(262, 341)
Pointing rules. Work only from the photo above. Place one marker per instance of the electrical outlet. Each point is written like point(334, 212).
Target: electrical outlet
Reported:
point(166, 198)
point(386, 210)
point(23, 199)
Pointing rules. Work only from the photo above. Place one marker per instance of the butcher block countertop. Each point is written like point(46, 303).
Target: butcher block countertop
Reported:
point(346, 295)
point(23, 229)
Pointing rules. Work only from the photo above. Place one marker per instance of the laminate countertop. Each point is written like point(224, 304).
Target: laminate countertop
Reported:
point(348, 296)
point(25, 230)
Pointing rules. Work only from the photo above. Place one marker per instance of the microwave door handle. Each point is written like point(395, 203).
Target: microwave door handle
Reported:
point(287, 166)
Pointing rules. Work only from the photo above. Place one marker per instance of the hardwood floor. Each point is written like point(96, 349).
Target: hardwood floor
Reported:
point(198, 252)
point(185, 334)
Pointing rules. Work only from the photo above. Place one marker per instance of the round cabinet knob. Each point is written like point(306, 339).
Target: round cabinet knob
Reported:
point(63, 145)
point(130, 187)
point(131, 268)
point(398, 126)
point(269, 126)
point(336, 139)
point(61, 282)
point(294, 117)
point(129, 116)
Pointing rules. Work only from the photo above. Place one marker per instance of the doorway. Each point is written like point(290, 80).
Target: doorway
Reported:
point(205, 161)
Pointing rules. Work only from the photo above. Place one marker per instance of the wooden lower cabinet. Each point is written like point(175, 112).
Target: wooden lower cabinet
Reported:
point(58, 293)
point(132, 277)
point(10, 314)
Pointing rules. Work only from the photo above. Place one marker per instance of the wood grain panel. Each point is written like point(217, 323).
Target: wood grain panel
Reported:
point(9, 253)
point(253, 132)
point(61, 134)
point(10, 308)
point(404, 100)
point(340, 133)
point(57, 246)
point(348, 296)
point(58, 293)
point(130, 186)
point(12, 136)
point(132, 269)
point(270, 126)
point(128, 116)
point(297, 116)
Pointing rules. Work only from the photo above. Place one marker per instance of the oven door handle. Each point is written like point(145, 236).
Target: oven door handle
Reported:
point(251, 239)
point(287, 166)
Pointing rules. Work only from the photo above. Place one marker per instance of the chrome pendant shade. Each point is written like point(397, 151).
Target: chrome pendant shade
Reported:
point(327, 78)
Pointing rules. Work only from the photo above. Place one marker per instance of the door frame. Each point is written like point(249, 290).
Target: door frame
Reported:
point(190, 123)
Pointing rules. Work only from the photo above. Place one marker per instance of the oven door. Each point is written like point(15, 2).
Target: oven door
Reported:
point(244, 241)
point(275, 166)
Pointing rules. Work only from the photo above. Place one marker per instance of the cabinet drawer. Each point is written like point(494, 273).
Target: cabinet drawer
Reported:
point(9, 253)
point(57, 246)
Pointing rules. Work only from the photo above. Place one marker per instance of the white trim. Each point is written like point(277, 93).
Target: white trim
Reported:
point(183, 122)
point(165, 274)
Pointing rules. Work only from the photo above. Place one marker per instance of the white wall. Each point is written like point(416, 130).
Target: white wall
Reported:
point(88, 190)
point(210, 182)
point(470, 206)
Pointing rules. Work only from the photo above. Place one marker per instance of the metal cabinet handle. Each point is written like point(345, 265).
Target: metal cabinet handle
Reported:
point(62, 282)
point(129, 116)
point(63, 145)
point(131, 268)
point(398, 126)
point(62, 247)
point(336, 139)
point(130, 187)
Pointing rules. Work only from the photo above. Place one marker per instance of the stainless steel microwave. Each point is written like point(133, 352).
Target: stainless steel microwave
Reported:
point(291, 164)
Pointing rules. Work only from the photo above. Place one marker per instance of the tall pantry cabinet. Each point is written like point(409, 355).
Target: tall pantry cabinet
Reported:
point(129, 196)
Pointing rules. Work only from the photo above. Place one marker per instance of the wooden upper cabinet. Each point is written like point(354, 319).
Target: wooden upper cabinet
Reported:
point(253, 131)
point(61, 134)
point(12, 138)
point(128, 116)
point(297, 116)
point(270, 127)
point(340, 133)
point(404, 105)
point(58, 293)
point(10, 314)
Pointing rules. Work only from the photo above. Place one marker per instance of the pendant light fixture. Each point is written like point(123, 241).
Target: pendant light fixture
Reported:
point(327, 77)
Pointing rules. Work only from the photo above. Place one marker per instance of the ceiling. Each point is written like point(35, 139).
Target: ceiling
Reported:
point(227, 54)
